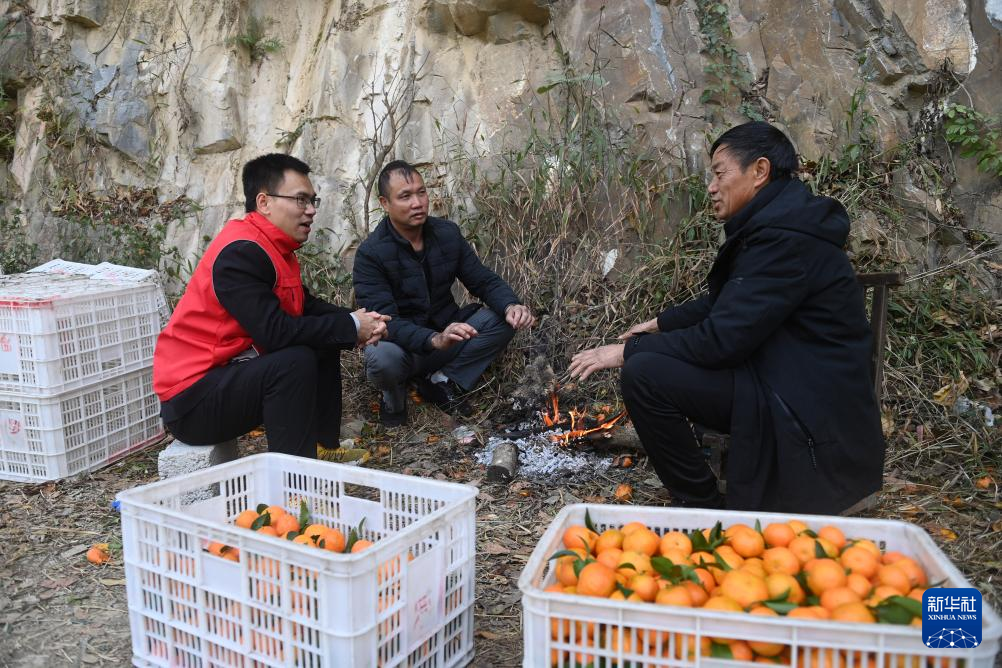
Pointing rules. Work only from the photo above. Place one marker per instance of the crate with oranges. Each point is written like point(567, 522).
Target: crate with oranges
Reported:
point(297, 526)
point(626, 585)
point(274, 560)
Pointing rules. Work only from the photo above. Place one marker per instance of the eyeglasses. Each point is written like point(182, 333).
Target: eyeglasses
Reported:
point(301, 200)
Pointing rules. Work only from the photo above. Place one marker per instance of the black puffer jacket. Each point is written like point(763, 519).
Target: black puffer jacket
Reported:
point(785, 311)
point(390, 279)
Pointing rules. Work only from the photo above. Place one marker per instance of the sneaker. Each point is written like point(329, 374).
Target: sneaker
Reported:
point(389, 418)
point(448, 396)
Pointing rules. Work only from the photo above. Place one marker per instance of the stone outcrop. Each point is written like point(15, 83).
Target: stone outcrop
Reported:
point(176, 96)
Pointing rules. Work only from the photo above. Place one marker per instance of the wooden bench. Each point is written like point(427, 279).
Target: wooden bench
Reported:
point(875, 286)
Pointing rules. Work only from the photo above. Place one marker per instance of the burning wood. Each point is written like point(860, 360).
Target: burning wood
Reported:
point(577, 421)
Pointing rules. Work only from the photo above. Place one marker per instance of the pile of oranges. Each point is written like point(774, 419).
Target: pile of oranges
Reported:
point(784, 569)
point(277, 521)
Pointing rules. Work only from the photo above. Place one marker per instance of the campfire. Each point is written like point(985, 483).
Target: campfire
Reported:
point(544, 440)
point(578, 424)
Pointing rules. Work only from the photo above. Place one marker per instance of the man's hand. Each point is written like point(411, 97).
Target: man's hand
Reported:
point(519, 316)
point(587, 362)
point(649, 327)
point(371, 327)
point(454, 333)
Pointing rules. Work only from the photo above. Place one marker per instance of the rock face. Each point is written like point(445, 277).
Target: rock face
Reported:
point(176, 96)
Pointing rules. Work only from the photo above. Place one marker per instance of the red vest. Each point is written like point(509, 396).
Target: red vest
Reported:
point(201, 334)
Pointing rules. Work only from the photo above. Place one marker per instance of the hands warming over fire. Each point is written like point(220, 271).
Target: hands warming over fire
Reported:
point(587, 362)
point(519, 316)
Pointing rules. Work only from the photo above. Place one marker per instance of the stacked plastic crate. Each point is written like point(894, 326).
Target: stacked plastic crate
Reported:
point(76, 351)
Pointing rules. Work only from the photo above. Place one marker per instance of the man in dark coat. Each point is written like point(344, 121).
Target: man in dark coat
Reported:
point(408, 266)
point(776, 352)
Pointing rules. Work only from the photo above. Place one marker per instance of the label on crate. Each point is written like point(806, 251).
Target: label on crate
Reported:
point(353, 510)
point(951, 618)
point(425, 608)
point(12, 433)
point(10, 360)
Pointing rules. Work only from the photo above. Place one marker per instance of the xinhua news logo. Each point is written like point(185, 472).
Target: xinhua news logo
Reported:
point(951, 618)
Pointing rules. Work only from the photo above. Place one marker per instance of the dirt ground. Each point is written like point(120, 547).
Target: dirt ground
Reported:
point(56, 609)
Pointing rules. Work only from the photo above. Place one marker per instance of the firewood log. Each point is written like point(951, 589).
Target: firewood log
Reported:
point(504, 463)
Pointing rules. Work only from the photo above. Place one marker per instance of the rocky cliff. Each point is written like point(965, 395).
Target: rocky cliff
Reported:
point(108, 98)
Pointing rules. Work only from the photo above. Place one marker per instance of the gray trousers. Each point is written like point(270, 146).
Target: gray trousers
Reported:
point(389, 367)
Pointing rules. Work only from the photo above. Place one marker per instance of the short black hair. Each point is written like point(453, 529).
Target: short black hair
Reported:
point(405, 169)
point(750, 141)
point(265, 173)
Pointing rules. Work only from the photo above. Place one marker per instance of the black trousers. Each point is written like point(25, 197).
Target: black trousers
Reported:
point(295, 392)
point(664, 396)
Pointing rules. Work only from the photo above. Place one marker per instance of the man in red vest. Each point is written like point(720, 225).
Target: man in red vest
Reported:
point(247, 343)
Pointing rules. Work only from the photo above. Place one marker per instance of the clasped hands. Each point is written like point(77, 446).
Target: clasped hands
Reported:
point(587, 362)
point(371, 327)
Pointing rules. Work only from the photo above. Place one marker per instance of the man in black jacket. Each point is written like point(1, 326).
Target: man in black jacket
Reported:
point(777, 352)
point(406, 269)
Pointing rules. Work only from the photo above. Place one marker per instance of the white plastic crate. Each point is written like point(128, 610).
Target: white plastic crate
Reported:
point(60, 332)
point(405, 601)
point(106, 271)
point(47, 438)
point(650, 635)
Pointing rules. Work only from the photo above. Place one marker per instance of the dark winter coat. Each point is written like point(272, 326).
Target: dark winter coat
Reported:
point(390, 278)
point(784, 310)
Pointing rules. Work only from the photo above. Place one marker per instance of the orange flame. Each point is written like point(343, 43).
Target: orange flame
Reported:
point(575, 431)
point(574, 434)
point(551, 419)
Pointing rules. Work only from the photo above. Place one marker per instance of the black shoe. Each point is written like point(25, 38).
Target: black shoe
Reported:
point(389, 418)
point(448, 396)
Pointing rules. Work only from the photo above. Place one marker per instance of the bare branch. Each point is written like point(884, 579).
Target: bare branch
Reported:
point(389, 119)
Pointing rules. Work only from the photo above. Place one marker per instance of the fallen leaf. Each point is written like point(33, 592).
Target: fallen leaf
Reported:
point(984, 482)
point(887, 423)
point(256, 433)
point(433, 439)
point(997, 526)
point(111, 583)
point(494, 548)
point(944, 317)
point(487, 635)
point(947, 534)
point(949, 393)
point(74, 551)
point(624, 493)
point(993, 564)
point(58, 582)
